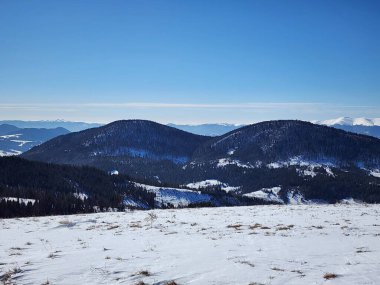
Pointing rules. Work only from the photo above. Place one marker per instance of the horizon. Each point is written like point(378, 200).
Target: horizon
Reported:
point(189, 62)
point(326, 122)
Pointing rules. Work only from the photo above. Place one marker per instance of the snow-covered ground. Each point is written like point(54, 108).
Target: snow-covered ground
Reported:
point(237, 245)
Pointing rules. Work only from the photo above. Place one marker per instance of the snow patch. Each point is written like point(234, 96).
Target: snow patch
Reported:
point(10, 136)
point(223, 162)
point(20, 200)
point(175, 196)
point(375, 173)
point(212, 182)
point(10, 153)
point(350, 201)
point(81, 196)
point(114, 172)
point(266, 194)
point(20, 142)
point(308, 166)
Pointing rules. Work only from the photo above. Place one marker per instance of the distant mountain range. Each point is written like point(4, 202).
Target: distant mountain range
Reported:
point(276, 161)
point(68, 125)
point(207, 129)
point(347, 121)
point(14, 140)
point(365, 126)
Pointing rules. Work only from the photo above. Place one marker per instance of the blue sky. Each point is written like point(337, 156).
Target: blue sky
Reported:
point(189, 61)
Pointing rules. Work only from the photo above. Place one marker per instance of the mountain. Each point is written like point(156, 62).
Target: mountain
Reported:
point(291, 161)
point(207, 129)
point(363, 126)
point(275, 161)
point(144, 149)
point(282, 140)
point(14, 140)
point(71, 126)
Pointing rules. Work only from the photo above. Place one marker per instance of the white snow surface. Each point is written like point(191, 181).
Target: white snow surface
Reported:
point(236, 245)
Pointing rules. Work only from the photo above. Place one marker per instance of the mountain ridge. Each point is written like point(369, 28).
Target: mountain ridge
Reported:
point(298, 158)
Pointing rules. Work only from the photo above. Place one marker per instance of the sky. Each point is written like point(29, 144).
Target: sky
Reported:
point(192, 62)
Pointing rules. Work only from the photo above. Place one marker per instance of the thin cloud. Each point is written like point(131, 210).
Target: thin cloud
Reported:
point(34, 106)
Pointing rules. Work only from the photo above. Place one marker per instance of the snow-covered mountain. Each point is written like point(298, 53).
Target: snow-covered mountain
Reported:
point(347, 121)
point(365, 126)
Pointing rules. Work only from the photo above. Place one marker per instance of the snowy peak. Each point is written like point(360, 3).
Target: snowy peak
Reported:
point(347, 121)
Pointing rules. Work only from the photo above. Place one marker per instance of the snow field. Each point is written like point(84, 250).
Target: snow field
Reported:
point(239, 245)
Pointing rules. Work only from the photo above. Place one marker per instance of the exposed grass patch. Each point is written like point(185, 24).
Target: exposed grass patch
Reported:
point(6, 278)
point(278, 269)
point(247, 263)
point(329, 276)
point(235, 226)
point(284, 228)
point(142, 273)
point(53, 255)
point(255, 226)
point(113, 227)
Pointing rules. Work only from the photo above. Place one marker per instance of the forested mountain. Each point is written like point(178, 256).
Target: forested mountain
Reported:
point(143, 149)
point(274, 141)
point(14, 140)
point(276, 161)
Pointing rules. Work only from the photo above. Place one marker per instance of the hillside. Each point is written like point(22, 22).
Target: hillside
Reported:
point(30, 188)
point(275, 141)
point(136, 147)
point(275, 161)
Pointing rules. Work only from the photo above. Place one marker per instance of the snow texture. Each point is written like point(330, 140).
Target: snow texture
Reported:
point(236, 245)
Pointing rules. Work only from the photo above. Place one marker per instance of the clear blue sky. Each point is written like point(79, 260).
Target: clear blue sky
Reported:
point(189, 61)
